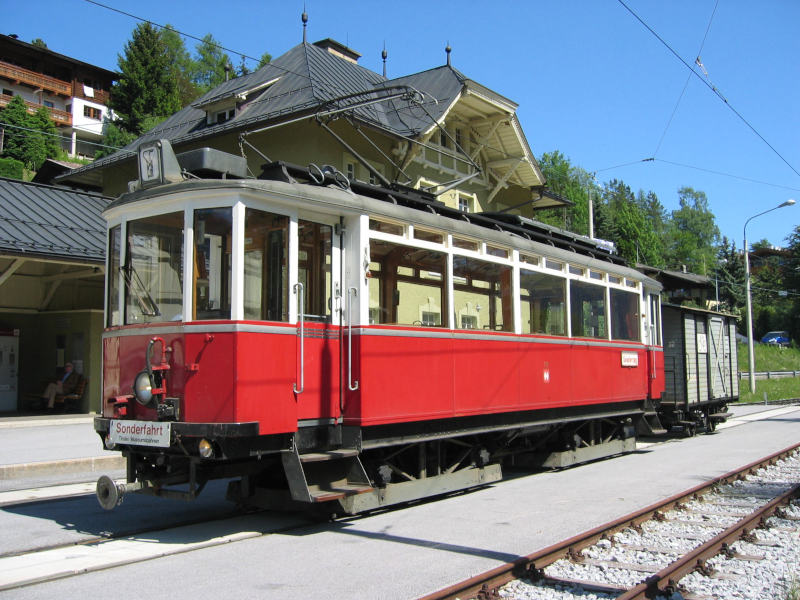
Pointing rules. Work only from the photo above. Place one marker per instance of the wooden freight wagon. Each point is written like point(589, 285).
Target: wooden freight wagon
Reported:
point(700, 368)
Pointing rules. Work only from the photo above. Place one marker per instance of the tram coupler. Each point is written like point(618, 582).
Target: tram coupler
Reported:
point(110, 493)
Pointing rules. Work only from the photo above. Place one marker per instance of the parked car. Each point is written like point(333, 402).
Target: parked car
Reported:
point(779, 338)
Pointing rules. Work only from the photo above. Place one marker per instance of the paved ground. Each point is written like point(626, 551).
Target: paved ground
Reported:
point(401, 553)
point(46, 450)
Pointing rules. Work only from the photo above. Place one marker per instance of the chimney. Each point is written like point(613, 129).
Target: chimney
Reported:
point(338, 49)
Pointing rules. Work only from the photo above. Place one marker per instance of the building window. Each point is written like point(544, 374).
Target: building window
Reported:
point(443, 138)
point(7, 92)
point(350, 171)
point(464, 204)
point(48, 104)
point(225, 115)
point(91, 112)
point(459, 140)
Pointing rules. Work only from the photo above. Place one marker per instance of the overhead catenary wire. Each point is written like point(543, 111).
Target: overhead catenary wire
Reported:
point(710, 86)
point(55, 135)
point(688, 79)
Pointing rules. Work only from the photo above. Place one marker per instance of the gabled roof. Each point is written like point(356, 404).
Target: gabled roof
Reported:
point(51, 222)
point(308, 78)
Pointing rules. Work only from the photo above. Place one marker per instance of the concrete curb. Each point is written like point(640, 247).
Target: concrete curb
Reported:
point(91, 464)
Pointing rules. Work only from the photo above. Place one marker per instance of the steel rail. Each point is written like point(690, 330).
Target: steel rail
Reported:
point(667, 578)
point(482, 586)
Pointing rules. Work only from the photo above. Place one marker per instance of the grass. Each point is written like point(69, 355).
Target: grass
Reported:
point(770, 358)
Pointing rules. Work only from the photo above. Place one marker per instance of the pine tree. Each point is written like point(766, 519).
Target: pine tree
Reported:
point(210, 64)
point(147, 85)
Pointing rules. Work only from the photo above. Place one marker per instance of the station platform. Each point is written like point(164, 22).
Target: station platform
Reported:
point(50, 449)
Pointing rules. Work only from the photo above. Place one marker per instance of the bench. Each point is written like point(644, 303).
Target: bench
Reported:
point(66, 402)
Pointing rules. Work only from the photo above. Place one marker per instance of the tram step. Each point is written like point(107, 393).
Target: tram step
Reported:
point(324, 476)
point(338, 492)
point(720, 416)
point(328, 455)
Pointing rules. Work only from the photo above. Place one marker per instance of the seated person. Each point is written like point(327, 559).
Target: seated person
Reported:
point(66, 384)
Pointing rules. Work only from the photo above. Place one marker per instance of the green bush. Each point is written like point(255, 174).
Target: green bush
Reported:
point(11, 168)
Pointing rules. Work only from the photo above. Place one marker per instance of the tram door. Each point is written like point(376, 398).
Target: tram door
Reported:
point(317, 297)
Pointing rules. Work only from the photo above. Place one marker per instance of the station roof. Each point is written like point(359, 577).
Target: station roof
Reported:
point(308, 79)
point(44, 221)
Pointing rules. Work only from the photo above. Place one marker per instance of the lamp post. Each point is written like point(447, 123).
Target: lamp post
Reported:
point(750, 357)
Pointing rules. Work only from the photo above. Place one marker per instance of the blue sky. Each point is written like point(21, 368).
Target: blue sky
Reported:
point(590, 80)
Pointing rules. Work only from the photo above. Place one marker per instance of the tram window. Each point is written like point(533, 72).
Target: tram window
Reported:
point(315, 269)
point(385, 227)
point(553, 264)
point(407, 285)
point(577, 270)
point(428, 236)
point(653, 321)
point(212, 263)
point(154, 269)
point(614, 279)
point(266, 280)
point(495, 251)
point(543, 302)
point(596, 275)
point(112, 299)
point(530, 260)
point(465, 244)
point(482, 295)
point(587, 309)
point(624, 315)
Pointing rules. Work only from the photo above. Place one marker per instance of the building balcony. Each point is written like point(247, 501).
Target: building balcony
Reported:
point(59, 117)
point(34, 79)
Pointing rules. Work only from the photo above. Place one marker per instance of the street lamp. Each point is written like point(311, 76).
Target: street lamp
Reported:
point(750, 357)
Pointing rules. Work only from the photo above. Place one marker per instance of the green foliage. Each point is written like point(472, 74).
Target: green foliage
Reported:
point(570, 182)
point(31, 139)
point(265, 59)
point(11, 168)
point(693, 234)
point(181, 64)
point(39, 43)
point(210, 64)
point(147, 84)
point(730, 277)
point(114, 137)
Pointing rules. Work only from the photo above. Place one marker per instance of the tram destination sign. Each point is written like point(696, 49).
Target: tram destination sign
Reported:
point(140, 433)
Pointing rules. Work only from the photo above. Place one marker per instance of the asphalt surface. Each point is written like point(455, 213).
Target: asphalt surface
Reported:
point(402, 553)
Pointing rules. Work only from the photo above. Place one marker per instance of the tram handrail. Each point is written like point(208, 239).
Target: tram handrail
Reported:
point(350, 385)
point(298, 289)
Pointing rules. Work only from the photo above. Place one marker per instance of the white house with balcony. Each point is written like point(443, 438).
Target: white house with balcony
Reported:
point(76, 92)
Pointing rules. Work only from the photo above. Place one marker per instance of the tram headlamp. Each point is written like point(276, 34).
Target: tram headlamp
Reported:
point(143, 388)
point(205, 448)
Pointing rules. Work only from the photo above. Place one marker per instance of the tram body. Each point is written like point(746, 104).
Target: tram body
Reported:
point(325, 346)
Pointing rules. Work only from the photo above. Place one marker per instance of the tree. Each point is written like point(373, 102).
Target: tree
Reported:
point(147, 85)
point(182, 65)
point(573, 183)
point(39, 43)
point(631, 231)
point(730, 277)
point(693, 235)
point(212, 65)
point(265, 59)
point(114, 138)
point(41, 120)
point(23, 140)
point(791, 279)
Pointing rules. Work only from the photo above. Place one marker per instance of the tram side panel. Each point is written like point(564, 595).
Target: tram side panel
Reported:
point(409, 376)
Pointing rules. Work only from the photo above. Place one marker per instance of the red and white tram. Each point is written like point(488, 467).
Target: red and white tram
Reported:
point(356, 346)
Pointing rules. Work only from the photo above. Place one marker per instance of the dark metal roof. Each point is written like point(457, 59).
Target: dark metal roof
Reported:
point(51, 222)
point(306, 78)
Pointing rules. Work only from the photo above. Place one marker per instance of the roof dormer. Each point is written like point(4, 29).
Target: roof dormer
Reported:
point(229, 104)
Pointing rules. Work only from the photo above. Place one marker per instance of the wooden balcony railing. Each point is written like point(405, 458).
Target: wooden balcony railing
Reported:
point(51, 84)
point(59, 117)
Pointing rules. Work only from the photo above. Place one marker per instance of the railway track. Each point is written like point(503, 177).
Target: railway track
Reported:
point(699, 544)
